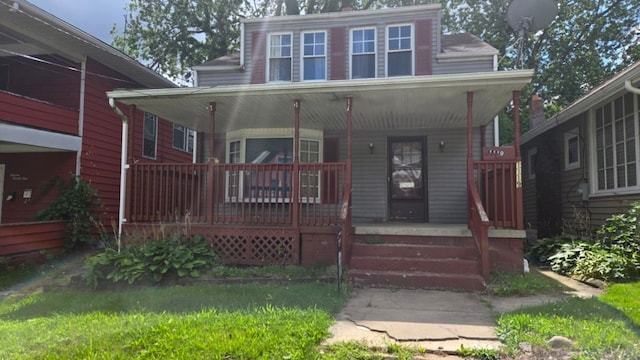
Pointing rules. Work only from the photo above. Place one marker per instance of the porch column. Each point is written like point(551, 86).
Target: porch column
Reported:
point(211, 185)
point(516, 144)
point(296, 165)
point(469, 146)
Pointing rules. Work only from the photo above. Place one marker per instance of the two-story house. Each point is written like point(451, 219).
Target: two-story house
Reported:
point(368, 132)
point(56, 121)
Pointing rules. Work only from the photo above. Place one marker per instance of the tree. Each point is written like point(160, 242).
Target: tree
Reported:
point(588, 42)
point(170, 36)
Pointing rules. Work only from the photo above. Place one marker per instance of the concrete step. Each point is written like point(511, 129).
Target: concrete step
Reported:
point(413, 251)
point(416, 240)
point(386, 263)
point(417, 280)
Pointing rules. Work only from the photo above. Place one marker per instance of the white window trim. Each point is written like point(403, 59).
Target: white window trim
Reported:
point(302, 57)
point(275, 133)
point(187, 131)
point(155, 151)
point(573, 133)
point(593, 163)
point(375, 49)
point(386, 49)
point(531, 174)
point(268, 55)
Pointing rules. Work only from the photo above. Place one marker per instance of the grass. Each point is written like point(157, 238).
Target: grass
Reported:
point(203, 322)
point(14, 274)
point(281, 271)
point(606, 326)
point(522, 284)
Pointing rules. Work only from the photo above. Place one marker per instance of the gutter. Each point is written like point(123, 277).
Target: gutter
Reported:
point(631, 88)
point(123, 168)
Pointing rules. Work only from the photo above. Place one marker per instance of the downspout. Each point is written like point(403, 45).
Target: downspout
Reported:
point(83, 79)
point(631, 88)
point(242, 45)
point(496, 119)
point(123, 168)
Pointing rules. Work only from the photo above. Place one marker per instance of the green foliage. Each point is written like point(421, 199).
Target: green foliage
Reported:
point(154, 258)
point(480, 354)
point(76, 204)
point(11, 274)
point(547, 247)
point(615, 255)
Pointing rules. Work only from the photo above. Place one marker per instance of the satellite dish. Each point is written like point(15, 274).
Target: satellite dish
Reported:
point(529, 15)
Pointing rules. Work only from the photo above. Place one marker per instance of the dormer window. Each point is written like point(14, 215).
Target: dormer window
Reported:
point(400, 50)
point(363, 53)
point(279, 57)
point(314, 56)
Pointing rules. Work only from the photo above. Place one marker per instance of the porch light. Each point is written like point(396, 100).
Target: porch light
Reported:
point(442, 145)
point(371, 146)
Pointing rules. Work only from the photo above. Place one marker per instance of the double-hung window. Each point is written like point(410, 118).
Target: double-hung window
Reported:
point(572, 149)
point(280, 57)
point(400, 50)
point(615, 133)
point(314, 56)
point(363, 53)
point(183, 138)
point(150, 135)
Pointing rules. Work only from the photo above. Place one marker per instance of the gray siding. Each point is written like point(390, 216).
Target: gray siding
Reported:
point(446, 174)
point(458, 67)
point(222, 78)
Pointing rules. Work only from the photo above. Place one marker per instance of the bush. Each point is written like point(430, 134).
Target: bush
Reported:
point(76, 204)
point(547, 247)
point(615, 255)
point(154, 259)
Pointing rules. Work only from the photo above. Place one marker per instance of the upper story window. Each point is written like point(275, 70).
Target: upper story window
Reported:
point(183, 138)
point(279, 57)
point(150, 135)
point(314, 56)
point(363, 53)
point(616, 145)
point(400, 50)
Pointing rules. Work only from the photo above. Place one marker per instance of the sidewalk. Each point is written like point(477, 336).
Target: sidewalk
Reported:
point(437, 321)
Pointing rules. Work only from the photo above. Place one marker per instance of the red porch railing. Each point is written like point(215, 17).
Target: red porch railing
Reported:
point(235, 194)
point(496, 181)
point(479, 226)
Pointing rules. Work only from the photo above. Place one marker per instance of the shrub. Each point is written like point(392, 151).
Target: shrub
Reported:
point(154, 259)
point(76, 204)
point(547, 247)
point(614, 256)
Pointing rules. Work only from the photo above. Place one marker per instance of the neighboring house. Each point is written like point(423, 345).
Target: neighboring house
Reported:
point(56, 121)
point(360, 128)
point(583, 164)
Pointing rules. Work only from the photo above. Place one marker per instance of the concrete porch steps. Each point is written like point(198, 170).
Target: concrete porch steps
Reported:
point(435, 262)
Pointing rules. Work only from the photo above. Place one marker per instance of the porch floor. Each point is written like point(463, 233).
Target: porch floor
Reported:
point(430, 229)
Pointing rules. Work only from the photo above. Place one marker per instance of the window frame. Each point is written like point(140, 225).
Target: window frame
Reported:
point(303, 57)
point(149, 116)
point(411, 50)
point(568, 136)
point(269, 58)
point(374, 52)
point(593, 171)
point(187, 134)
point(532, 158)
point(243, 135)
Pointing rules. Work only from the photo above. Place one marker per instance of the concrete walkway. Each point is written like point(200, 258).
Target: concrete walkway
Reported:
point(439, 322)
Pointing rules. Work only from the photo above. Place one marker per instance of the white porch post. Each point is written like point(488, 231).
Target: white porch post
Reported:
point(123, 169)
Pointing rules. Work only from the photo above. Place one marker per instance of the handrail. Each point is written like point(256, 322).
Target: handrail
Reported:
point(479, 226)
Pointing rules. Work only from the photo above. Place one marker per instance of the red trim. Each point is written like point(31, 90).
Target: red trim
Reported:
point(258, 57)
point(424, 40)
point(338, 65)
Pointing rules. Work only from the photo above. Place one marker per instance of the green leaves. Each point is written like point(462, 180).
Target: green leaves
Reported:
point(154, 259)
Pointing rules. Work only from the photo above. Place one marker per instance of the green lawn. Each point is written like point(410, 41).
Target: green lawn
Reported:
point(190, 322)
point(609, 324)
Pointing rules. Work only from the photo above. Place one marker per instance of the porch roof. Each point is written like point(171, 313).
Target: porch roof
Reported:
point(434, 101)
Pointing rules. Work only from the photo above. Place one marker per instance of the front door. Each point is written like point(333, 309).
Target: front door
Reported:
point(407, 179)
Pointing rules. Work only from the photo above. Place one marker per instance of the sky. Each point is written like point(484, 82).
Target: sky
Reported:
point(95, 17)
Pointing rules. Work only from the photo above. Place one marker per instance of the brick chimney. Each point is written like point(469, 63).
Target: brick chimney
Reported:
point(537, 112)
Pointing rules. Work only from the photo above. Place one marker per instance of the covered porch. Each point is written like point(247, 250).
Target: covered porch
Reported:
point(295, 201)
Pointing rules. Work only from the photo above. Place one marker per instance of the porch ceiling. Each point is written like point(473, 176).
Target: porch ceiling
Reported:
point(436, 101)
